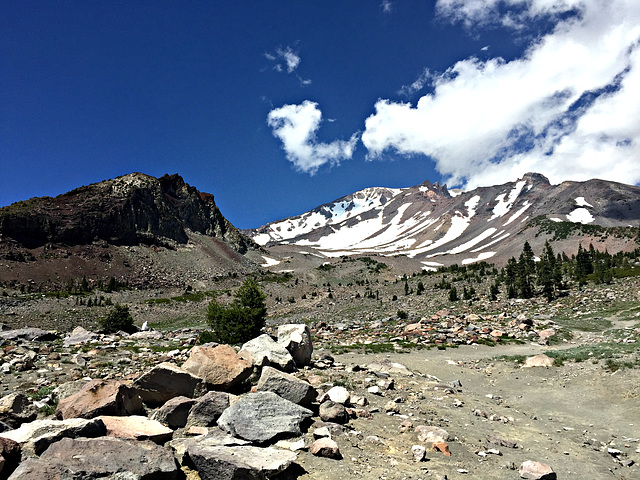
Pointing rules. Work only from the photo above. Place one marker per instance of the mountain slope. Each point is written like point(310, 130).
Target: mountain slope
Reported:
point(428, 222)
point(99, 229)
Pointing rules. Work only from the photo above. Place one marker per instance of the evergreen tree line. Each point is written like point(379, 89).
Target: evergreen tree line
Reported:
point(525, 277)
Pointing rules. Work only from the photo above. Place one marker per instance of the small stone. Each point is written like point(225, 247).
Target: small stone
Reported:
point(536, 471)
point(441, 447)
point(419, 453)
point(540, 360)
point(429, 434)
point(338, 395)
point(321, 432)
point(326, 447)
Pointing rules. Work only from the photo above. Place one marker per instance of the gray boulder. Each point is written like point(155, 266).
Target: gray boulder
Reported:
point(265, 351)
point(99, 458)
point(166, 381)
point(296, 338)
point(29, 334)
point(174, 412)
point(240, 462)
point(333, 412)
point(263, 416)
point(287, 386)
point(208, 408)
point(79, 336)
point(16, 409)
point(215, 438)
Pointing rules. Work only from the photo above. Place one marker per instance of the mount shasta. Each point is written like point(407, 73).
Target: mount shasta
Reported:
point(438, 227)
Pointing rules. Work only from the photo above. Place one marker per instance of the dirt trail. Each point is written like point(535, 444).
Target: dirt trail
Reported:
point(564, 416)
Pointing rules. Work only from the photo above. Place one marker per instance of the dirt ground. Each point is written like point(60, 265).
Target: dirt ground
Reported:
point(568, 417)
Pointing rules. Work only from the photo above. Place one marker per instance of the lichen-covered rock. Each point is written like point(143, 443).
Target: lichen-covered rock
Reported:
point(263, 416)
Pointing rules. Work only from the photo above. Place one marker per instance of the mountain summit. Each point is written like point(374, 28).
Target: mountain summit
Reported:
point(438, 227)
point(98, 229)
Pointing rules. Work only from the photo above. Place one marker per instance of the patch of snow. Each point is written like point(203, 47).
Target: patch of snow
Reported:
point(503, 206)
point(433, 264)
point(580, 215)
point(455, 192)
point(424, 189)
point(458, 225)
point(479, 258)
point(472, 243)
point(555, 219)
point(581, 202)
point(518, 213)
point(269, 262)
point(499, 239)
point(262, 239)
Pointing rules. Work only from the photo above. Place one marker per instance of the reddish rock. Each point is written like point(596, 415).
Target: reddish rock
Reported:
point(536, 471)
point(413, 329)
point(325, 447)
point(441, 447)
point(101, 397)
point(9, 456)
point(220, 367)
point(136, 427)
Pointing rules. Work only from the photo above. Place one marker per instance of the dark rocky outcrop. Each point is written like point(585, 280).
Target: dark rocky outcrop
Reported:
point(127, 210)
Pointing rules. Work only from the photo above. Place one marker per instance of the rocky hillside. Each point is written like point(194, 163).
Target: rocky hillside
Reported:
point(93, 230)
point(430, 224)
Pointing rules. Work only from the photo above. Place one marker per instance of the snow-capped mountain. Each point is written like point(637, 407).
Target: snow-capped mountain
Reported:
point(429, 223)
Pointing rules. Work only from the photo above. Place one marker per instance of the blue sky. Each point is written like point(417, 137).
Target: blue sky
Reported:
point(278, 106)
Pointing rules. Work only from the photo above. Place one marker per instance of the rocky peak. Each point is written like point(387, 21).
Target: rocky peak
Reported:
point(127, 210)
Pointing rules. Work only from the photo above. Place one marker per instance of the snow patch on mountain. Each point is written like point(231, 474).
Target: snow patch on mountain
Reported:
point(479, 258)
point(581, 202)
point(504, 206)
point(518, 213)
point(580, 215)
point(269, 262)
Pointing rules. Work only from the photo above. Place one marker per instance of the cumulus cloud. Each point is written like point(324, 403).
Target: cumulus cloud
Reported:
point(296, 126)
point(569, 107)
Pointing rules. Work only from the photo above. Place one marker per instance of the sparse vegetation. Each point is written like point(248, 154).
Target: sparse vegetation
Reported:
point(117, 319)
point(243, 319)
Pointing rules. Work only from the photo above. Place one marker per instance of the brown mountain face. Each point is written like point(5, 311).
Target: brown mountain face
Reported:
point(95, 226)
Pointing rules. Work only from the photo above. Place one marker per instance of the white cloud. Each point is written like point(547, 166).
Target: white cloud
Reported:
point(296, 126)
point(291, 58)
point(509, 13)
point(418, 84)
point(386, 6)
point(568, 108)
point(284, 58)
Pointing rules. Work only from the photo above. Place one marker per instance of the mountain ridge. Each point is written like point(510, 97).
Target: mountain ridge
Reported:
point(427, 222)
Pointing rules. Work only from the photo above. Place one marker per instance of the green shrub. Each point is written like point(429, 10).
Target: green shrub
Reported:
point(118, 318)
point(243, 319)
point(402, 314)
point(206, 336)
